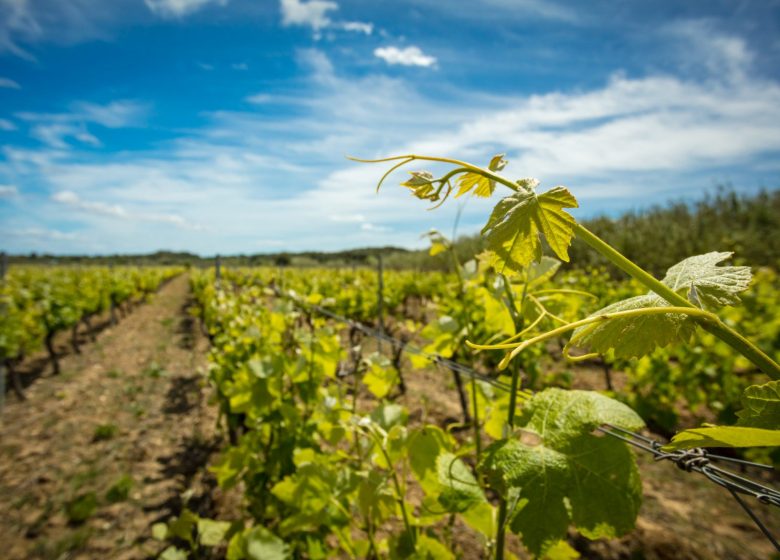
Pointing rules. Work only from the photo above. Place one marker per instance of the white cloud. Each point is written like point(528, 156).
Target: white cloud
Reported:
point(8, 191)
point(358, 27)
point(55, 134)
point(7, 125)
point(409, 56)
point(29, 22)
point(313, 13)
point(348, 218)
point(705, 49)
point(240, 66)
point(9, 83)
point(259, 98)
point(40, 234)
point(116, 114)
point(54, 129)
point(72, 199)
point(179, 8)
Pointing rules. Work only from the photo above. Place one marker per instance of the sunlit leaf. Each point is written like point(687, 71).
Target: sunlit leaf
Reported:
point(513, 231)
point(569, 475)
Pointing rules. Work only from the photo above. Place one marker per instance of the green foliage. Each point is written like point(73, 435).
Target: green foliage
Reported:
point(565, 473)
point(725, 436)
point(698, 278)
point(120, 490)
point(758, 424)
point(761, 406)
point(105, 432)
point(81, 507)
point(512, 231)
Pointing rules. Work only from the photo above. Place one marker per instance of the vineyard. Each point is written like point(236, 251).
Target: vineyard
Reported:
point(513, 407)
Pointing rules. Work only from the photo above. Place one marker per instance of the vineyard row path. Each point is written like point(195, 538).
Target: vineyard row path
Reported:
point(134, 404)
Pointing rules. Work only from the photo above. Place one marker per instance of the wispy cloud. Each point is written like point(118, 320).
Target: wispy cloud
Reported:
point(8, 191)
point(259, 98)
point(9, 83)
point(29, 22)
point(72, 199)
point(358, 27)
point(41, 235)
point(7, 125)
point(55, 134)
point(54, 129)
point(408, 56)
point(179, 8)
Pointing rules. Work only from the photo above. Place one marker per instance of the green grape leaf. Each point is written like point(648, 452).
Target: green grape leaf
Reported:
point(262, 544)
point(497, 316)
point(697, 278)
point(758, 424)
point(633, 336)
point(421, 184)
point(761, 406)
point(424, 445)
point(724, 436)
point(539, 272)
point(431, 549)
point(173, 553)
point(482, 186)
point(703, 282)
point(388, 415)
point(513, 229)
point(211, 532)
point(460, 490)
point(381, 377)
point(569, 474)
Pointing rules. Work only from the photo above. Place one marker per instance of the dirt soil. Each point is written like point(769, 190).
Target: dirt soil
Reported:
point(121, 437)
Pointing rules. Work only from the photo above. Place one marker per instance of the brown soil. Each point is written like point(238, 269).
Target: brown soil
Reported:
point(131, 404)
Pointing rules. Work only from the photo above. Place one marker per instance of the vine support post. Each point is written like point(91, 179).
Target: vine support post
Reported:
point(218, 268)
point(2, 384)
point(3, 265)
point(380, 299)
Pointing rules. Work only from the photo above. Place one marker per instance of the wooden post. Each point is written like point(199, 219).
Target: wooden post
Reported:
point(2, 384)
point(3, 265)
point(380, 300)
point(217, 268)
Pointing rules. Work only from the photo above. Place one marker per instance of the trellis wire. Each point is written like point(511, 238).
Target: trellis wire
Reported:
point(690, 460)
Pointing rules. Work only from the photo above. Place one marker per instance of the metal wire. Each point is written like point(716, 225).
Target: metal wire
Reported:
point(690, 460)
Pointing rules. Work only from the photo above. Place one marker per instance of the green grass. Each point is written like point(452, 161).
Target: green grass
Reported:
point(105, 432)
point(81, 508)
point(120, 490)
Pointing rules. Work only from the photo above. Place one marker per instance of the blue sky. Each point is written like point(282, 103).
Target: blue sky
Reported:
point(222, 125)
